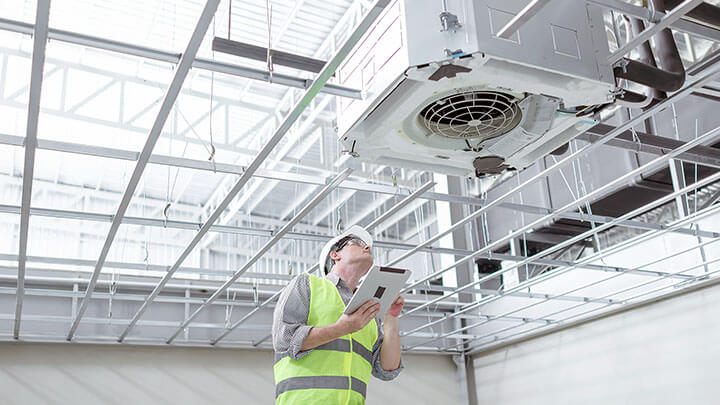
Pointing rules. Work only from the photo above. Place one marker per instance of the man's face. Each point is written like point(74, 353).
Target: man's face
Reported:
point(356, 253)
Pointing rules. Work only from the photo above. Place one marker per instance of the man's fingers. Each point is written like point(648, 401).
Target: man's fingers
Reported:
point(364, 307)
point(372, 308)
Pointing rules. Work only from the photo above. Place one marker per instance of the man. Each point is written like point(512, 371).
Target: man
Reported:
point(323, 356)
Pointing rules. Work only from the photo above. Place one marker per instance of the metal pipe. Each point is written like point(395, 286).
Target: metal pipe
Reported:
point(647, 75)
point(36, 77)
point(672, 75)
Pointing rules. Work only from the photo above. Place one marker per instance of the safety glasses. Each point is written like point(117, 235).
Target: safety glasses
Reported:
point(350, 240)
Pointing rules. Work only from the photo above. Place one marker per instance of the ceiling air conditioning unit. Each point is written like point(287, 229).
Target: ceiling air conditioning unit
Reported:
point(442, 92)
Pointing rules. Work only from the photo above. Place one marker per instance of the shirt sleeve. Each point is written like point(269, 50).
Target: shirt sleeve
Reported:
point(377, 369)
point(290, 316)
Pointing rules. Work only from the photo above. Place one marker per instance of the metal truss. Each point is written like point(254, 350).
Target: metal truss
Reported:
point(353, 185)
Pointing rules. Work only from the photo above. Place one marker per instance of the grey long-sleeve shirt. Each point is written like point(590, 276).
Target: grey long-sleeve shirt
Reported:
point(290, 326)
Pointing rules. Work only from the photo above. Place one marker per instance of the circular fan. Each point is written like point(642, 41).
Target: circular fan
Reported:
point(472, 115)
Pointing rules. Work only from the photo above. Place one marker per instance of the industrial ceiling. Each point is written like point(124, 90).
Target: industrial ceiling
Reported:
point(154, 191)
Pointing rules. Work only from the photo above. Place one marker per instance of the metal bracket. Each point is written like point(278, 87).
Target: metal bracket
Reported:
point(622, 64)
point(352, 152)
point(449, 22)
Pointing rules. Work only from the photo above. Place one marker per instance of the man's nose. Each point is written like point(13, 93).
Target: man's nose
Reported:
point(367, 248)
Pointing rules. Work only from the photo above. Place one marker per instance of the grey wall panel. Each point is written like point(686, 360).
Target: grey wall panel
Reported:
point(663, 353)
point(90, 374)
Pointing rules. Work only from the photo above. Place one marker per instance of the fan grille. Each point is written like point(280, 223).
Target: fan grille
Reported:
point(472, 114)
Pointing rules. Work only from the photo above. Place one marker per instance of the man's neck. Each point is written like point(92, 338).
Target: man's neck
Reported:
point(349, 276)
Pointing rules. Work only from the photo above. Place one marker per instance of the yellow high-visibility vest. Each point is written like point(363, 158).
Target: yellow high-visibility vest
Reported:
point(335, 373)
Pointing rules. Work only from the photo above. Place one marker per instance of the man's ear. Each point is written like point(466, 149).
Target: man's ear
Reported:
point(334, 256)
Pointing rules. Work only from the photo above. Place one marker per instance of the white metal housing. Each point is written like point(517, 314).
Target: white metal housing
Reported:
point(408, 61)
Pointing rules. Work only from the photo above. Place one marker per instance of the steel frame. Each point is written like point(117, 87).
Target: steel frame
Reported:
point(655, 15)
point(277, 236)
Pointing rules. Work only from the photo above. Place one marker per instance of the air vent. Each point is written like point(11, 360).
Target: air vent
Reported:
point(477, 115)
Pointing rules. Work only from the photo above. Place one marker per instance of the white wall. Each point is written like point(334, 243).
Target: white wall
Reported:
point(667, 352)
point(105, 374)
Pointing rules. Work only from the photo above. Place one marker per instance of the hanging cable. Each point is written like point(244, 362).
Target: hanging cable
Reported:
point(268, 8)
point(167, 188)
point(212, 96)
point(112, 289)
point(229, 18)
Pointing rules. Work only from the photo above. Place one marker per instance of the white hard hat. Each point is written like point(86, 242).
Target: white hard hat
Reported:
point(325, 261)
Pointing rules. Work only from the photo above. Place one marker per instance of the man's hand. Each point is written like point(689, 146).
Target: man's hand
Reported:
point(361, 317)
point(396, 307)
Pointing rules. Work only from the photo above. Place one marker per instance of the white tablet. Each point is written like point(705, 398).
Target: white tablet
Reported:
point(381, 284)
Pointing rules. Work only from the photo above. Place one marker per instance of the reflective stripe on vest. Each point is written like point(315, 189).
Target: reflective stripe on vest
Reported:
point(320, 382)
point(339, 345)
point(336, 372)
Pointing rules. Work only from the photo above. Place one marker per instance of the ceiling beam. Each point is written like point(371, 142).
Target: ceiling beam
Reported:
point(40, 36)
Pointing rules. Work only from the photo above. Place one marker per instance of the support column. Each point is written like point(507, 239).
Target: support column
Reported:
point(465, 274)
